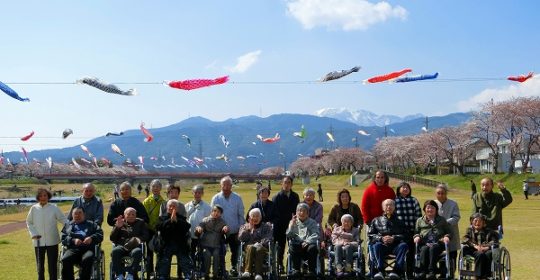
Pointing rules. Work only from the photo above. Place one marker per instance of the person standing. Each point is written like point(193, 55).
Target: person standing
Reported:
point(116, 191)
point(196, 210)
point(526, 189)
point(408, 210)
point(449, 210)
point(319, 192)
point(374, 195)
point(126, 200)
point(265, 205)
point(173, 192)
point(491, 204)
point(233, 214)
point(152, 204)
point(285, 202)
point(473, 188)
point(90, 203)
point(41, 222)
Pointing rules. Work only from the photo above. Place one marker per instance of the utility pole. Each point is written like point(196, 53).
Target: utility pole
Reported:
point(385, 132)
point(427, 124)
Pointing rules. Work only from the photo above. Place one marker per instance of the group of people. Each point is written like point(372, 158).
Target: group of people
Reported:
point(394, 220)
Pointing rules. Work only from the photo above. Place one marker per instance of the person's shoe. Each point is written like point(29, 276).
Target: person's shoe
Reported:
point(295, 272)
point(339, 270)
point(420, 275)
point(121, 277)
point(258, 277)
point(393, 276)
point(129, 277)
point(246, 274)
point(379, 276)
point(233, 272)
point(431, 276)
point(348, 268)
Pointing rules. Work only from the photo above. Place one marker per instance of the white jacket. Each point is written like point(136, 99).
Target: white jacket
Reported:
point(41, 220)
point(196, 213)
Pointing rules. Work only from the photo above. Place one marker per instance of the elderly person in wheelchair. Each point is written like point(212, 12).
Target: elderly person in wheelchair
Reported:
point(478, 242)
point(303, 234)
point(256, 236)
point(345, 239)
point(128, 233)
point(432, 235)
point(80, 237)
point(387, 236)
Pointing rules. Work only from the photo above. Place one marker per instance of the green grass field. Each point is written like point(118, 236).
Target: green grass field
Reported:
point(520, 219)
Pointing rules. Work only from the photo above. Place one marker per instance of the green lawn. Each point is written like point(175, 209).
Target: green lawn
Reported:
point(520, 219)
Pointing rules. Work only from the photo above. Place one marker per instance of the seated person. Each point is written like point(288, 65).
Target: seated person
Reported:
point(211, 230)
point(80, 237)
point(477, 242)
point(127, 234)
point(432, 232)
point(175, 232)
point(303, 233)
point(345, 239)
point(387, 236)
point(256, 236)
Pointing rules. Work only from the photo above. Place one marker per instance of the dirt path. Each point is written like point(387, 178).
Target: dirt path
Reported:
point(11, 227)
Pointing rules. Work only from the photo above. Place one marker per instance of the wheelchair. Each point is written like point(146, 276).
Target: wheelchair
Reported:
point(199, 265)
point(269, 266)
point(358, 265)
point(98, 264)
point(389, 263)
point(303, 273)
point(127, 261)
point(445, 265)
point(500, 264)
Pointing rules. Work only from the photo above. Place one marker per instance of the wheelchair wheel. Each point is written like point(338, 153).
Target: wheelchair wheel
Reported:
point(98, 270)
point(503, 265)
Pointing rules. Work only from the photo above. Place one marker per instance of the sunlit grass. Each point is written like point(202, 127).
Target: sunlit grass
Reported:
point(17, 260)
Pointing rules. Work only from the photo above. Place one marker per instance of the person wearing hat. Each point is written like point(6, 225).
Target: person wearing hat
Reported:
point(477, 242)
point(127, 234)
point(264, 204)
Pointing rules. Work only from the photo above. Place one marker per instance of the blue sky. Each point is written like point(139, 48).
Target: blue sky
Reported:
point(270, 49)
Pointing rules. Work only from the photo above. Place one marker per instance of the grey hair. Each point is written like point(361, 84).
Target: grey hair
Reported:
point(391, 201)
point(347, 217)
point(198, 188)
point(171, 201)
point(302, 206)
point(226, 178)
point(309, 190)
point(157, 183)
point(443, 187)
point(255, 211)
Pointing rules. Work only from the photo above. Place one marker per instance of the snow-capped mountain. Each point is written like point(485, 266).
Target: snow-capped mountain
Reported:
point(363, 117)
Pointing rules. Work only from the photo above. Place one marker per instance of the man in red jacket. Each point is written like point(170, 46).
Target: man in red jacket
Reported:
point(374, 195)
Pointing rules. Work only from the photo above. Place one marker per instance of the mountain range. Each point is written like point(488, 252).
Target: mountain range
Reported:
point(363, 117)
point(245, 152)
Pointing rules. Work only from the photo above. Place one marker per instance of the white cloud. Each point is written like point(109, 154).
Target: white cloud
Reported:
point(344, 14)
point(244, 62)
point(530, 87)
